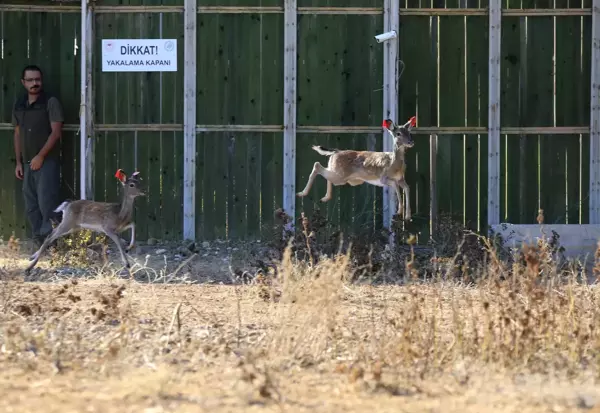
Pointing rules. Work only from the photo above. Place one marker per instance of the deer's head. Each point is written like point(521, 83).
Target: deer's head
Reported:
point(131, 185)
point(401, 133)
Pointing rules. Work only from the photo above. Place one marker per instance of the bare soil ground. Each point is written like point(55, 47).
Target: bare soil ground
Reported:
point(94, 341)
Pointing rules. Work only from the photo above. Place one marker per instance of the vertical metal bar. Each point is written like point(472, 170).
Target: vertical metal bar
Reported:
point(391, 20)
point(89, 112)
point(189, 121)
point(522, 113)
point(595, 118)
point(433, 138)
point(495, 25)
point(85, 112)
point(289, 108)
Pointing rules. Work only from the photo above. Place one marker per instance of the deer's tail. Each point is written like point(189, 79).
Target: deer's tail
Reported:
point(62, 206)
point(324, 151)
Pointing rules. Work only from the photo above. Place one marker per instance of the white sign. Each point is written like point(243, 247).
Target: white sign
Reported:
point(139, 55)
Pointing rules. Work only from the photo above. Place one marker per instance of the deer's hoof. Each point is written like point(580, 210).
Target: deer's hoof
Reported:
point(325, 199)
point(300, 194)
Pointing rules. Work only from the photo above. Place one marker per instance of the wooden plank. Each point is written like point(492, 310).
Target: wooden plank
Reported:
point(391, 19)
point(189, 121)
point(99, 172)
point(141, 3)
point(252, 169)
point(493, 198)
point(271, 181)
point(105, 95)
point(527, 150)
point(176, 142)
point(289, 112)
point(237, 197)
point(476, 73)
point(240, 4)
point(15, 48)
point(205, 206)
point(151, 164)
point(339, 3)
point(417, 97)
point(325, 129)
point(594, 202)
point(433, 138)
point(151, 110)
point(220, 168)
point(8, 192)
point(571, 108)
point(585, 93)
point(540, 111)
point(172, 82)
point(482, 11)
point(452, 112)
point(68, 71)
point(513, 80)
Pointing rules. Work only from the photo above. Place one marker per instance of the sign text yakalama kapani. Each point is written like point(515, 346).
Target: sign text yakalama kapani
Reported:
point(139, 55)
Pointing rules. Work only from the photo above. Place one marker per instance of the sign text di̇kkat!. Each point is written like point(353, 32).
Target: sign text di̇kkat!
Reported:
point(139, 55)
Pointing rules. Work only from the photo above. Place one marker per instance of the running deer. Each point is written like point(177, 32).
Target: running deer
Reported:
point(108, 218)
point(375, 168)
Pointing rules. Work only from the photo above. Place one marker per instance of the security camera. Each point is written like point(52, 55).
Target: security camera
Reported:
point(385, 36)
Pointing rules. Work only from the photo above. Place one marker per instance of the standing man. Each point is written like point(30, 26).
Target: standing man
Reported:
point(38, 120)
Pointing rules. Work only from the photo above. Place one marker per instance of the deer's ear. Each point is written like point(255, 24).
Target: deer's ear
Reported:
point(120, 175)
point(387, 123)
point(136, 175)
point(412, 122)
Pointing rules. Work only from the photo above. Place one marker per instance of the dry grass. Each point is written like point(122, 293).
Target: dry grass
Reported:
point(484, 332)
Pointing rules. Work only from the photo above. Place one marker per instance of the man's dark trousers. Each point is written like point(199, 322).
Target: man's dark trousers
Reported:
point(41, 190)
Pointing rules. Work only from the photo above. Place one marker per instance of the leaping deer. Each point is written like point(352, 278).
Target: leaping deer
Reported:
point(375, 168)
point(105, 217)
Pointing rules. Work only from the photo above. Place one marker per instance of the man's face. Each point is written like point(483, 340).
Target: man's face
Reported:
point(32, 81)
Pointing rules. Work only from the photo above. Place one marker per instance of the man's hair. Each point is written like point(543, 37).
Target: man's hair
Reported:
point(33, 68)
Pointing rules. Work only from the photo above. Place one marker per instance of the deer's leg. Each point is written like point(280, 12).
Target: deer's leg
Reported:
point(396, 187)
point(61, 230)
point(116, 240)
point(327, 196)
point(311, 179)
point(406, 189)
point(132, 242)
point(329, 175)
point(333, 178)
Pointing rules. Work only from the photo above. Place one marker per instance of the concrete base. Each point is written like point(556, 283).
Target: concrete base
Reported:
point(579, 241)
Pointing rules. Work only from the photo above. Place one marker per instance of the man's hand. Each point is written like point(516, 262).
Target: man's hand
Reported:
point(19, 170)
point(36, 162)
